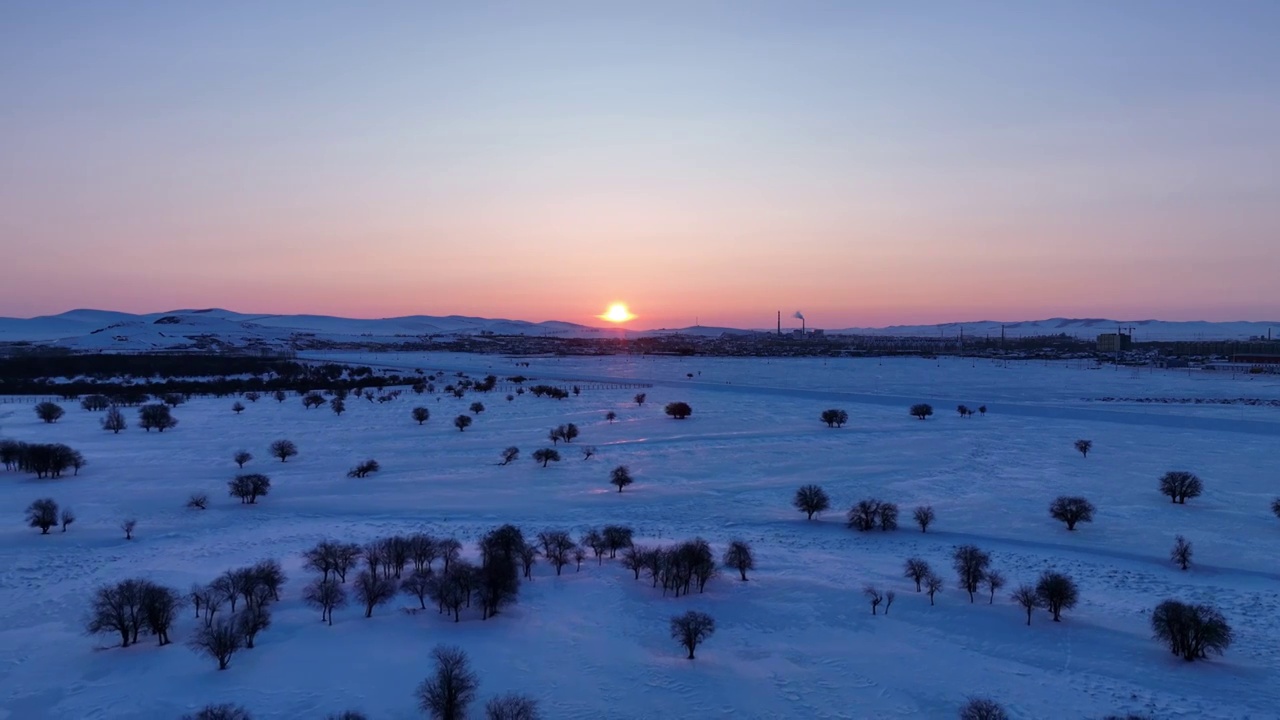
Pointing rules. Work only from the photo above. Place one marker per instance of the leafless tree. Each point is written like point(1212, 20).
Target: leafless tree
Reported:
point(811, 499)
point(43, 514)
point(242, 457)
point(888, 517)
point(1057, 592)
point(932, 585)
point(66, 517)
point(1071, 510)
point(982, 709)
point(450, 689)
point(117, 609)
point(865, 515)
point(678, 410)
point(835, 418)
point(921, 410)
point(420, 414)
point(916, 569)
point(283, 449)
point(923, 516)
point(739, 557)
point(252, 620)
point(222, 711)
point(156, 415)
point(874, 596)
point(621, 477)
point(364, 469)
point(114, 420)
point(237, 407)
point(509, 455)
point(127, 526)
point(197, 501)
point(1179, 485)
point(579, 554)
point(889, 597)
point(462, 422)
point(528, 556)
point(971, 565)
point(511, 707)
point(219, 640)
point(327, 595)
point(994, 580)
point(588, 451)
point(611, 416)
point(692, 629)
point(49, 412)
point(373, 590)
point(1191, 631)
point(1181, 552)
point(1026, 596)
point(249, 487)
point(418, 584)
point(1083, 447)
point(546, 455)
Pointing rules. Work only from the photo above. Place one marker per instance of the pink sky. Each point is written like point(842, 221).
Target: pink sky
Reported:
point(861, 163)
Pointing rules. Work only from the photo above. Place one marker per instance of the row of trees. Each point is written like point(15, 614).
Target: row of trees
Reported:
point(45, 460)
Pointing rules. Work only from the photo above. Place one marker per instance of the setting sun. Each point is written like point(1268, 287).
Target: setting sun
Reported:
point(617, 313)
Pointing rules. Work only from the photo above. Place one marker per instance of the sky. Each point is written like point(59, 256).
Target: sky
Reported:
point(867, 163)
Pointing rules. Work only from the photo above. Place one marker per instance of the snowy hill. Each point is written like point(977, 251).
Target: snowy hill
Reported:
point(217, 328)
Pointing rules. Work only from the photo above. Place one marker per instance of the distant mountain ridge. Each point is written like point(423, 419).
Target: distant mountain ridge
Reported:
point(213, 328)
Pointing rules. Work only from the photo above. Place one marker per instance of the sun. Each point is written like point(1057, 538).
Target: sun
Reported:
point(617, 313)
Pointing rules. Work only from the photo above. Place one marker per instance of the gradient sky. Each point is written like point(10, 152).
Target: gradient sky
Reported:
point(868, 163)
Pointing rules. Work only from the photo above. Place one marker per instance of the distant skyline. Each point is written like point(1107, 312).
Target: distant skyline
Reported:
point(868, 163)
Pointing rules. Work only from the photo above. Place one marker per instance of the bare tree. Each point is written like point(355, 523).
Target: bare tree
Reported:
point(114, 420)
point(1057, 592)
point(621, 477)
point(156, 415)
point(889, 597)
point(327, 595)
point(222, 711)
point(557, 547)
point(1275, 507)
point(692, 629)
point(1179, 485)
point(476, 408)
point(511, 707)
point(678, 410)
point(835, 418)
point(1083, 447)
point(95, 402)
point(971, 565)
point(49, 412)
point(588, 451)
point(249, 487)
point(373, 590)
point(1071, 510)
point(921, 410)
point(982, 709)
point(811, 499)
point(338, 406)
point(1181, 552)
point(916, 569)
point(219, 640)
point(923, 515)
point(528, 557)
point(611, 416)
point(255, 618)
point(237, 407)
point(418, 584)
point(66, 517)
point(933, 585)
point(462, 422)
point(364, 469)
point(994, 580)
point(421, 414)
point(509, 455)
point(450, 689)
point(1028, 598)
point(739, 557)
point(616, 537)
point(874, 596)
point(1191, 631)
point(640, 398)
point(252, 396)
point(283, 449)
point(241, 457)
point(888, 516)
point(279, 396)
point(546, 455)
point(117, 609)
point(127, 526)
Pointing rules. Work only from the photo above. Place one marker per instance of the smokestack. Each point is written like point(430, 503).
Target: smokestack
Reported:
point(800, 316)
point(779, 323)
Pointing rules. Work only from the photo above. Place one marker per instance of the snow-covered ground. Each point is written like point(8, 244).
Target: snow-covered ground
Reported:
point(796, 641)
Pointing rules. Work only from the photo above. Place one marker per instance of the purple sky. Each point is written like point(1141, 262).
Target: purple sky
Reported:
point(867, 162)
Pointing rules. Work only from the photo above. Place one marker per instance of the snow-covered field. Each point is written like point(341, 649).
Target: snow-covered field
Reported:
point(796, 641)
